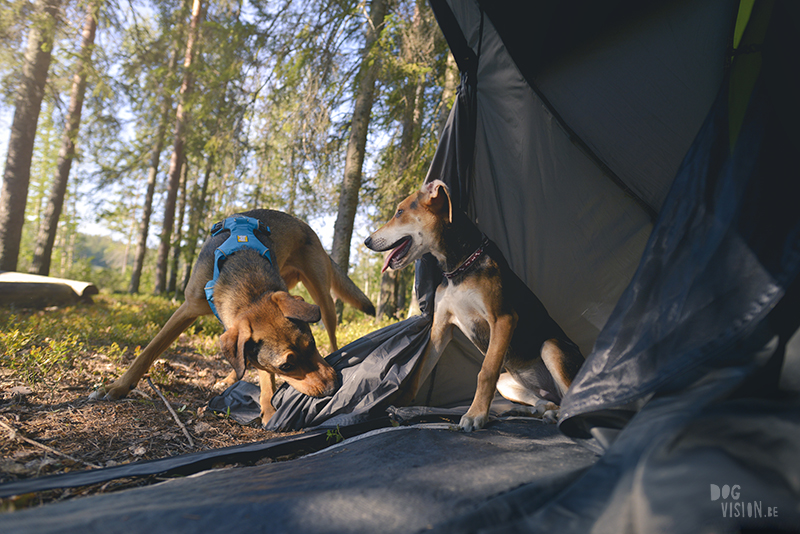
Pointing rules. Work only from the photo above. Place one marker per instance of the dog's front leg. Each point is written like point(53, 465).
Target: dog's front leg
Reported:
point(183, 317)
point(266, 381)
point(500, 334)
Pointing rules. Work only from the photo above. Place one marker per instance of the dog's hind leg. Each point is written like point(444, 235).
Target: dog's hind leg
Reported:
point(511, 389)
point(183, 317)
point(563, 361)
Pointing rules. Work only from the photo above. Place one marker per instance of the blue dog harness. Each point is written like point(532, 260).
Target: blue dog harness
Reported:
point(242, 236)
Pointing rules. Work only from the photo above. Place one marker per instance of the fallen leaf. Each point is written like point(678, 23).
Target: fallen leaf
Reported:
point(202, 427)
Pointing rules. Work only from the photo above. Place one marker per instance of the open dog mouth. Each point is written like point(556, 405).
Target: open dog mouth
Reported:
point(399, 251)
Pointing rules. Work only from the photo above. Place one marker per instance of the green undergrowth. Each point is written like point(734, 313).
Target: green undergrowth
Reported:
point(349, 331)
point(41, 345)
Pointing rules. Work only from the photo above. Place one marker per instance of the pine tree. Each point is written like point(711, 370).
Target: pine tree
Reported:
point(16, 177)
point(357, 143)
point(176, 161)
point(47, 232)
point(152, 174)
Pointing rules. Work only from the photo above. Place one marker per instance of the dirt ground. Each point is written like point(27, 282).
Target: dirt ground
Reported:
point(53, 428)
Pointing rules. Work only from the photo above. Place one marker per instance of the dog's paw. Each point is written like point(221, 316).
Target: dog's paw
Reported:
point(108, 393)
point(548, 411)
point(266, 415)
point(550, 416)
point(469, 422)
point(225, 383)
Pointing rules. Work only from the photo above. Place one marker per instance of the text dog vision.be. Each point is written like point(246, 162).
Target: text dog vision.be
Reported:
point(735, 508)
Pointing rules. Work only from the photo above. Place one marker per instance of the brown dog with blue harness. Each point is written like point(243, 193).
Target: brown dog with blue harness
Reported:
point(243, 274)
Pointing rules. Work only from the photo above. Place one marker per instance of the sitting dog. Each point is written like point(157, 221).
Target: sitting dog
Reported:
point(487, 301)
point(243, 274)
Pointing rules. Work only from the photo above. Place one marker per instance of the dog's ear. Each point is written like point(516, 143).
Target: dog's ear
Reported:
point(294, 307)
point(437, 195)
point(231, 342)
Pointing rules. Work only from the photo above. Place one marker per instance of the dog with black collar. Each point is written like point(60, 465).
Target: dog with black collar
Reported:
point(482, 296)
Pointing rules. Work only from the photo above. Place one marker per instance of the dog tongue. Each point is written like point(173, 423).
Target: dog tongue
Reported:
point(389, 257)
point(395, 252)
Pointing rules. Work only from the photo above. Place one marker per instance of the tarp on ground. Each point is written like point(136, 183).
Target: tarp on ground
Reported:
point(396, 480)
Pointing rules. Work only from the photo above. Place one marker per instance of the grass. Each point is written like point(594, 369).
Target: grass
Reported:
point(39, 346)
point(347, 332)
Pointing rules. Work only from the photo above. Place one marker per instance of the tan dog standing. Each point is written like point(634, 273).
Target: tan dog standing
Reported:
point(265, 327)
point(482, 296)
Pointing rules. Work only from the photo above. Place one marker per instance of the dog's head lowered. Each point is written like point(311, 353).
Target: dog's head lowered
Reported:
point(272, 334)
point(416, 226)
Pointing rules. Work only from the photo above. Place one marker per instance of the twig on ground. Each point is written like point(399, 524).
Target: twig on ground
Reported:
point(141, 394)
point(174, 415)
point(15, 434)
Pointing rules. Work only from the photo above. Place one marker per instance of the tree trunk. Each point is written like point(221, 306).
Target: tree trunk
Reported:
point(198, 203)
point(176, 243)
point(17, 174)
point(357, 142)
point(292, 192)
point(174, 174)
point(393, 283)
point(448, 91)
point(129, 241)
point(55, 204)
point(152, 174)
point(388, 295)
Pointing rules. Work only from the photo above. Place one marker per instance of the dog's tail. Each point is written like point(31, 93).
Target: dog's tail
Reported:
point(345, 289)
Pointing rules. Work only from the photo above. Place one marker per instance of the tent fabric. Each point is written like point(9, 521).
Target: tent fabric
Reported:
point(565, 225)
point(658, 475)
point(634, 97)
point(240, 402)
point(379, 362)
point(724, 251)
point(683, 389)
point(395, 480)
point(191, 463)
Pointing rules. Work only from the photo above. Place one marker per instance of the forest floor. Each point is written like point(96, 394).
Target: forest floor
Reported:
point(51, 360)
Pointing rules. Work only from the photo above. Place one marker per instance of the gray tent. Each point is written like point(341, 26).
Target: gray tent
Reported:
point(635, 163)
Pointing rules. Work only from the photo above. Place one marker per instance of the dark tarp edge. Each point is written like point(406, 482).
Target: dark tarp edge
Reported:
point(186, 464)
